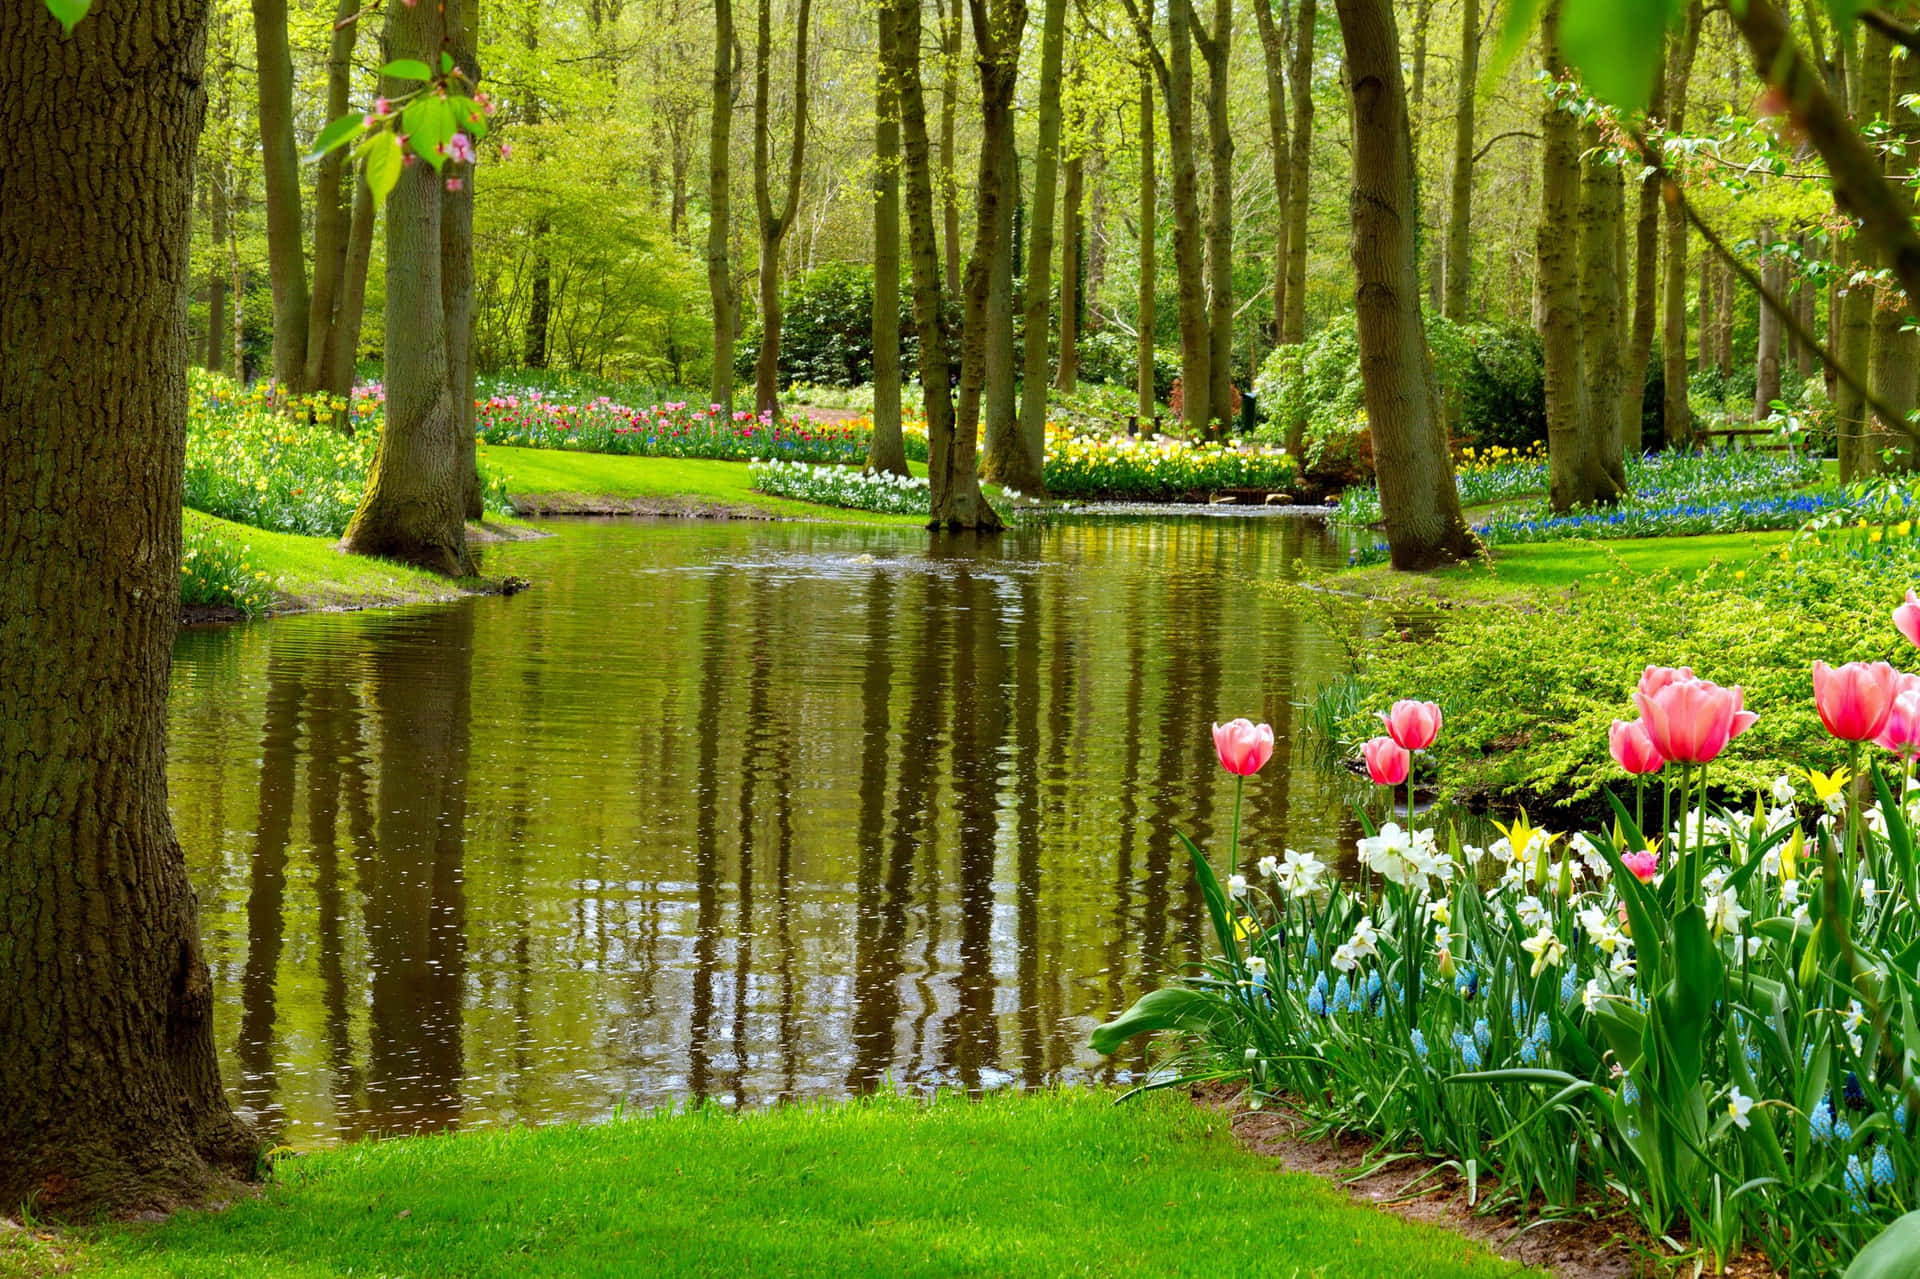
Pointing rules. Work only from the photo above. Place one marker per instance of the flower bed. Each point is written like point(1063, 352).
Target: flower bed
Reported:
point(260, 462)
point(843, 486)
point(668, 429)
point(1707, 1025)
point(1123, 468)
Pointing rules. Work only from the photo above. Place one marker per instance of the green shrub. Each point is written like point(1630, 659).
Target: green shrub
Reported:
point(1503, 393)
point(1112, 358)
point(826, 334)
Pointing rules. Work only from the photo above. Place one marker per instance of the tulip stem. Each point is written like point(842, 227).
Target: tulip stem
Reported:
point(1233, 848)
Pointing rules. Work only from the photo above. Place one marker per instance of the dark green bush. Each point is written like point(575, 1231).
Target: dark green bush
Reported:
point(1503, 393)
point(826, 335)
point(1111, 358)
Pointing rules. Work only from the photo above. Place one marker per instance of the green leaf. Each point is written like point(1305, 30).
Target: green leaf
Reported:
point(1688, 998)
point(1615, 45)
point(1218, 907)
point(1175, 1008)
point(69, 12)
point(468, 115)
point(1899, 838)
point(1518, 1075)
point(428, 123)
point(337, 133)
point(446, 62)
point(1844, 12)
point(383, 166)
point(1894, 1253)
point(407, 69)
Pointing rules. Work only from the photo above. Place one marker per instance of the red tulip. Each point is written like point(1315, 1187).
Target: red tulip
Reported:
point(1387, 761)
point(1690, 721)
point(1906, 618)
point(1632, 748)
point(1855, 700)
point(1641, 865)
point(1243, 746)
point(1413, 725)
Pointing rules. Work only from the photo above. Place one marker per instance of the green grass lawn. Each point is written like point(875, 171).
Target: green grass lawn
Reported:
point(670, 481)
point(1534, 568)
point(1016, 1184)
point(313, 573)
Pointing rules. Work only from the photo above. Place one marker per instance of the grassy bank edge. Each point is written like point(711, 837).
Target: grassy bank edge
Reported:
point(1016, 1183)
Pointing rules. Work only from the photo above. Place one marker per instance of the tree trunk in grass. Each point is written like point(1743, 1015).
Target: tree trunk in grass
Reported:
point(280, 170)
point(719, 207)
point(414, 509)
point(1418, 499)
point(110, 1096)
point(1145, 364)
point(1019, 463)
point(1215, 50)
point(956, 498)
point(1723, 332)
point(1766, 361)
point(331, 214)
point(775, 223)
point(1676, 416)
point(886, 450)
point(1273, 51)
point(1073, 240)
point(1861, 437)
point(1459, 256)
point(1300, 79)
point(1602, 221)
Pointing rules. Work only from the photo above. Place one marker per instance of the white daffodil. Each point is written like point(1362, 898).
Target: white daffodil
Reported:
point(1547, 950)
point(1236, 885)
point(1532, 913)
point(1269, 868)
point(1783, 789)
point(1739, 1107)
point(1300, 873)
point(1725, 913)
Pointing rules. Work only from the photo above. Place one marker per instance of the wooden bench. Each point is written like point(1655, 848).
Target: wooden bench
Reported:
point(1729, 434)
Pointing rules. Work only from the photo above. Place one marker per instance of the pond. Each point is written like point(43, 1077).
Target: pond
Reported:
point(731, 811)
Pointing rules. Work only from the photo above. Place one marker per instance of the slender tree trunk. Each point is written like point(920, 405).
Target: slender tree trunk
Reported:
point(414, 509)
point(1146, 366)
point(952, 31)
point(1458, 263)
point(774, 224)
point(536, 334)
point(1093, 232)
point(1020, 463)
point(1073, 241)
point(1723, 324)
point(331, 211)
point(719, 204)
point(218, 334)
point(1196, 344)
point(886, 450)
point(1300, 79)
point(1602, 219)
point(1418, 499)
point(456, 263)
point(1576, 474)
point(1676, 416)
point(110, 1097)
point(237, 271)
point(280, 169)
point(1273, 49)
point(1805, 308)
point(1703, 309)
point(1766, 363)
point(1646, 295)
point(353, 285)
point(1000, 417)
point(1216, 49)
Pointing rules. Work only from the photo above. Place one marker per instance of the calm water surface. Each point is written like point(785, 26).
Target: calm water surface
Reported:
point(731, 811)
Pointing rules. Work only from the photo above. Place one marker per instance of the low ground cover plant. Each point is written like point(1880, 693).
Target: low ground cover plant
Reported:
point(1158, 469)
point(843, 486)
point(217, 573)
point(1699, 1011)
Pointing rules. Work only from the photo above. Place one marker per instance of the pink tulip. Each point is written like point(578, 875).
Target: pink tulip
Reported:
point(1855, 700)
point(1690, 721)
point(1243, 746)
point(1906, 618)
point(1387, 761)
point(1902, 733)
point(1640, 865)
point(1655, 678)
point(1632, 748)
point(1413, 725)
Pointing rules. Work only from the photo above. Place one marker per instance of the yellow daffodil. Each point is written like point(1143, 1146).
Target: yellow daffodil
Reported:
point(1827, 785)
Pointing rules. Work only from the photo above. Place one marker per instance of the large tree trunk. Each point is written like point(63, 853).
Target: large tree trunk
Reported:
point(414, 509)
point(952, 30)
point(1459, 256)
point(1676, 416)
point(1861, 437)
point(1602, 221)
point(1216, 49)
point(952, 471)
point(719, 205)
point(280, 170)
point(886, 449)
point(1576, 476)
point(774, 223)
point(1300, 77)
point(1418, 500)
point(1073, 242)
point(1273, 49)
point(1145, 365)
point(1766, 361)
point(1000, 412)
point(1019, 463)
point(110, 1096)
point(331, 216)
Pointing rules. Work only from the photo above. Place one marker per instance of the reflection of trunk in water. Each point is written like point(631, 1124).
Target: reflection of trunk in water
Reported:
point(1120, 935)
point(335, 765)
point(879, 909)
point(415, 902)
point(266, 892)
point(1025, 694)
point(913, 808)
point(706, 839)
point(753, 744)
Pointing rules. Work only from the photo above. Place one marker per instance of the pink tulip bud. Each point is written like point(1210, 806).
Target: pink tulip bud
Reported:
point(1902, 733)
point(1640, 865)
point(1906, 618)
point(1688, 720)
point(1655, 678)
point(1243, 746)
point(1855, 701)
point(1632, 748)
point(1387, 761)
point(1413, 725)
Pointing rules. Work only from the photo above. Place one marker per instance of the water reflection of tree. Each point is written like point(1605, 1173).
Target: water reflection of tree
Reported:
point(258, 1086)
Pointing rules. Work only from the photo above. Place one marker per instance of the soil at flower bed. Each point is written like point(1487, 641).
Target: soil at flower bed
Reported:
point(1419, 1189)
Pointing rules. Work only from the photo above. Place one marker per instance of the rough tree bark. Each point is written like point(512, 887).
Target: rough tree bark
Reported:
point(1273, 49)
point(1458, 263)
point(110, 1096)
point(1019, 462)
point(1300, 78)
point(886, 450)
point(1646, 294)
point(1073, 243)
point(1418, 500)
point(353, 283)
point(775, 224)
point(952, 16)
point(280, 172)
point(1860, 439)
point(331, 213)
point(1216, 48)
point(719, 204)
point(1676, 418)
point(456, 264)
point(1602, 216)
point(1145, 365)
point(1766, 359)
point(414, 509)
point(1000, 410)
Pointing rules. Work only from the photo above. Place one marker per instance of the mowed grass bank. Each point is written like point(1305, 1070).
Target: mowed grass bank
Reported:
point(1544, 569)
point(1054, 1183)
